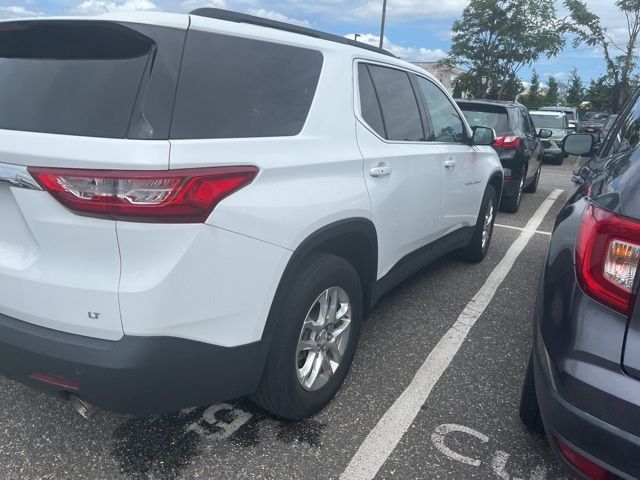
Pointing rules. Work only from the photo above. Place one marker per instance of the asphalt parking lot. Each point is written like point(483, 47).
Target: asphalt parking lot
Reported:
point(397, 416)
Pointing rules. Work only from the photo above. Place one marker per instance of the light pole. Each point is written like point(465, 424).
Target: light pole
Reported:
point(355, 37)
point(384, 17)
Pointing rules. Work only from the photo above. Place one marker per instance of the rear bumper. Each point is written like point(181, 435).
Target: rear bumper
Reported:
point(134, 375)
point(606, 445)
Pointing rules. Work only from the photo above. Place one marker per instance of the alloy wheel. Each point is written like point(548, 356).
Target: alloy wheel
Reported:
point(487, 229)
point(323, 339)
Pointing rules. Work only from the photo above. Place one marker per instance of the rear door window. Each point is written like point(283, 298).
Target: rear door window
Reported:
point(233, 87)
point(398, 104)
point(369, 106)
point(486, 116)
point(445, 120)
point(74, 77)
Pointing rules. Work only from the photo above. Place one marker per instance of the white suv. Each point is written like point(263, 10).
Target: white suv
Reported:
point(199, 207)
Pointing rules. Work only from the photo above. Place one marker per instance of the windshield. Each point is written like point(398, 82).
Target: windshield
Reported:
point(548, 121)
point(594, 116)
point(483, 116)
point(571, 115)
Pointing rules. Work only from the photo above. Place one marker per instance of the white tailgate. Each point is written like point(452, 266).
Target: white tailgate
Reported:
point(57, 269)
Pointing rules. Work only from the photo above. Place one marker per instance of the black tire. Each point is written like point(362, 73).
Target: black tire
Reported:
point(280, 392)
point(512, 204)
point(529, 409)
point(475, 251)
point(533, 186)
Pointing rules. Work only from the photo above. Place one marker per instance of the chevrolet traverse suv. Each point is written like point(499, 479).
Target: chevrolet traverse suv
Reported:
point(200, 207)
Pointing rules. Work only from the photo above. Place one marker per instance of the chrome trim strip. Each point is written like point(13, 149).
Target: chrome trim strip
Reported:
point(17, 176)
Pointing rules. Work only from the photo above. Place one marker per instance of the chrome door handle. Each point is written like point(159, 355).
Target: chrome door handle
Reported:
point(451, 163)
point(380, 171)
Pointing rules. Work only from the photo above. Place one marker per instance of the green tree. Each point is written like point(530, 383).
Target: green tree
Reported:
point(535, 96)
point(600, 94)
point(620, 59)
point(552, 98)
point(494, 39)
point(575, 89)
point(506, 89)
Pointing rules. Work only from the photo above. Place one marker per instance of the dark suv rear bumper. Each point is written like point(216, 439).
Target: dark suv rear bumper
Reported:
point(604, 444)
point(135, 375)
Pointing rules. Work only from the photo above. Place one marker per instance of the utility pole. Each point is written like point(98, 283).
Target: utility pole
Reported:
point(384, 17)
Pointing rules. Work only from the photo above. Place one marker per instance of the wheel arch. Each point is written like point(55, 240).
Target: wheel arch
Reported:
point(354, 239)
point(497, 181)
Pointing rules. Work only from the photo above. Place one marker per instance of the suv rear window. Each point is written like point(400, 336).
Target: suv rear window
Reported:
point(486, 116)
point(76, 78)
point(232, 87)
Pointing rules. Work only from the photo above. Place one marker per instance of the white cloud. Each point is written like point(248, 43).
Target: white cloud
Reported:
point(272, 15)
point(16, 11)
point(402, 10)
point(189, 5)
point(94, 7)
point(557, 75)
point(412, 54)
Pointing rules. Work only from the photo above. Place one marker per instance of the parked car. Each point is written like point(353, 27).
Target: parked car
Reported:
point(583, 381)
point(517, 144)
point(558, 124)
point(185, 215)
point(593, 124)
point(572, 113)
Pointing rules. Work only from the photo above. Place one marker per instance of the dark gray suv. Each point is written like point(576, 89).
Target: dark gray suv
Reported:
point(583, 382)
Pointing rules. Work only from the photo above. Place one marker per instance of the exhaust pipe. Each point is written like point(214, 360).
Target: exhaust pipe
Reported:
point(83, 407)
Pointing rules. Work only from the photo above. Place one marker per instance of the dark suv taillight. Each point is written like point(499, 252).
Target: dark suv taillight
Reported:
point(167, 196)
point(507, 142)
point(607, 257)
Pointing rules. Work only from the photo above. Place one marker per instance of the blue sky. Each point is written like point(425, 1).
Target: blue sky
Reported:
point(417, 30)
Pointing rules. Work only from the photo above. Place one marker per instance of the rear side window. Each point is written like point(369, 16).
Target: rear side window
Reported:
point(398, 104)
point(446, 123)
point(369, 106)
point(486, 116)
point(232, 87)
point(627, 136)
point(75, 78)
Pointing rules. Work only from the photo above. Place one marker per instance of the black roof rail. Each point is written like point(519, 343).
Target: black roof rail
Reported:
point(221, 14)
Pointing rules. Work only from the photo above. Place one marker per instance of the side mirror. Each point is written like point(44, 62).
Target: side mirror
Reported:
point(483, 135)
point(545, 133)
point(578, 144)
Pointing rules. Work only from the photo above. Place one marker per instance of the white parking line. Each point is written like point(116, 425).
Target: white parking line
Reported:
point(390, 429)
point(541, 232)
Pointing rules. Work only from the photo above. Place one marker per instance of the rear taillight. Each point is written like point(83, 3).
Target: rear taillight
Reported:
point(167, 196)
point(607, 257)
point(585, 466)
point(508, 142)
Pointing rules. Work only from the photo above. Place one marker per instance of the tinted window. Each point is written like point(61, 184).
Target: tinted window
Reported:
point(233, 87)
point(76, 78)
point(627, 135)
point(447, 126)
point(369, 106)
point(486, 116)
point(398, 103)
point(548, 121)
point(527, 124)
